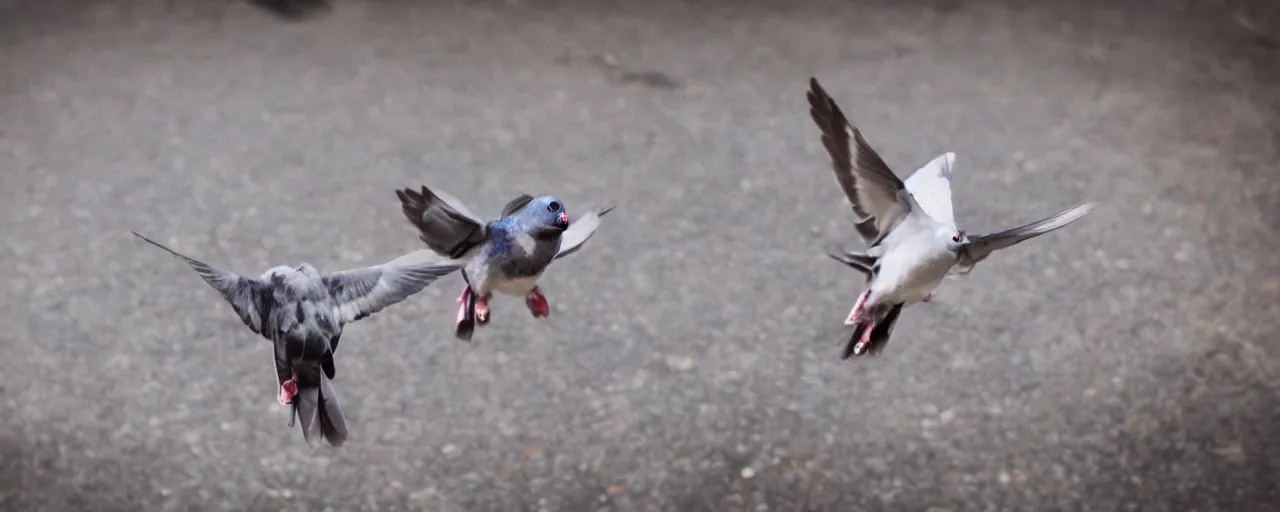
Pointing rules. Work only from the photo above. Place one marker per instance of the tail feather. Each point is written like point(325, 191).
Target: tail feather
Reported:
point(879, 336)
point(316, 400)
point(333, 425)
point(305, 407)
point(852, 343)
point(466, 321)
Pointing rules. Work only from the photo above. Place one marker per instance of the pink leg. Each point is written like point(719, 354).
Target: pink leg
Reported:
point(462, 304)
point(866, 338)
point(857, 309)
point(537, 303)
point(287, 390)
point(927, 298)
point(482, 309)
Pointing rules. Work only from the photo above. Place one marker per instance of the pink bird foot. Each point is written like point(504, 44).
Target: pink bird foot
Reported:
point(482, 307)
point(857, 309)
point(288, 389)
point(462, 304)
point(927, 298)
point(482, 310)
point(866, 338)
point(537, 303)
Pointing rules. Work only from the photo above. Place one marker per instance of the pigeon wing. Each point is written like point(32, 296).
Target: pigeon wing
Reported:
point(443, 222)
point(361, 292)
point(251, 299)
point(978, 248)
point(878, 197)
point(930, 186)
point(580, 230)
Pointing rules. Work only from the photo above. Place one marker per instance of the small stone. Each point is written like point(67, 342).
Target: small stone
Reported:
point(1004, 477)
point(534, 451)
point(947, 416)
point(679, 363)
point(615, 489)
point(748, 473)
point(448, 449)
point(422, 495)
point(1232, 452)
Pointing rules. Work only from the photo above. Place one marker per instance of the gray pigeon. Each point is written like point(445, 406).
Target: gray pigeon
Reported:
point(507, 255)
point(909, 227)
point(303, 313)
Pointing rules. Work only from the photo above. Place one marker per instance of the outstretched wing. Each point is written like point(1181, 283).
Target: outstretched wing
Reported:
point(359, 293)
point(931, 187)
point(516, 204)
point(250, 298)
point(978, 248)
point(878, 197)
point(443, 223)
point(579, 230)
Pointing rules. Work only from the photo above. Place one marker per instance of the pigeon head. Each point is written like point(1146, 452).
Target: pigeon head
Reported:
point(955, 240)
point(287, 274)
point(546, 211)
point(307, 270)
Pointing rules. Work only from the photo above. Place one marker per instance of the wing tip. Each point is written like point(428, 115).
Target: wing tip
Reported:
point(158, 244)
point(1079, 211)
point(946, 165)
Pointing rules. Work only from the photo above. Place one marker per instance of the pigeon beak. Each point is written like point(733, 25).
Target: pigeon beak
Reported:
point(563, 220)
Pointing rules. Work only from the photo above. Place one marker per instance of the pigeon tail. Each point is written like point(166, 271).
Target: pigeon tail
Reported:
point(881, 324)
point(316, 400)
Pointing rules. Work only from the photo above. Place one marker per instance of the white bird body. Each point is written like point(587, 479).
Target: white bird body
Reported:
point(912, 267)
point(909, 227)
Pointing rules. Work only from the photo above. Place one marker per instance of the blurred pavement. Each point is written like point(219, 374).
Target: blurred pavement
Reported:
point(1128, 362)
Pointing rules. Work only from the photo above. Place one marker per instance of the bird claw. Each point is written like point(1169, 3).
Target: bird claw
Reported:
point(856, 314)
point(482, 307)
point(482, 310)
point(864, 343)
point(927, 298)
point(537, 303)
point(288, 389)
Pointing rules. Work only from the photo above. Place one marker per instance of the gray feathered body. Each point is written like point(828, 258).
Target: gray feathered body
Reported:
point(507, 255)
point(302, 323)
point(303, 312)
point(300, 320)
point(513, 259)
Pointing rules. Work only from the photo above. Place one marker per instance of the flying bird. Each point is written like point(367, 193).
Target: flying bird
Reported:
point(909, 227)
point(303, 313)
point(506, 255)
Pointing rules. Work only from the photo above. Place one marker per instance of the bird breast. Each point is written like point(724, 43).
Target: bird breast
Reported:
point(517, 286)
point(910, 272)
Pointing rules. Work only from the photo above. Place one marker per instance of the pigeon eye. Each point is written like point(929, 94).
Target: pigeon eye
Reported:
point(553, 207)
point(955, 237)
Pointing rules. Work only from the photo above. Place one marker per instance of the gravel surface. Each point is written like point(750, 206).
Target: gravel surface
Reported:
point(1128, 362)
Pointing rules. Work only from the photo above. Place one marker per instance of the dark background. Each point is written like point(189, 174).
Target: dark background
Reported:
point(1127, 362)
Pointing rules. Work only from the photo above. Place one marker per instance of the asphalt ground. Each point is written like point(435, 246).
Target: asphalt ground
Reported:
point(1127, 362)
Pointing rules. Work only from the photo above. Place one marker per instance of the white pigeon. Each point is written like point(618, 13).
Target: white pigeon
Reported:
point(909, 228)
